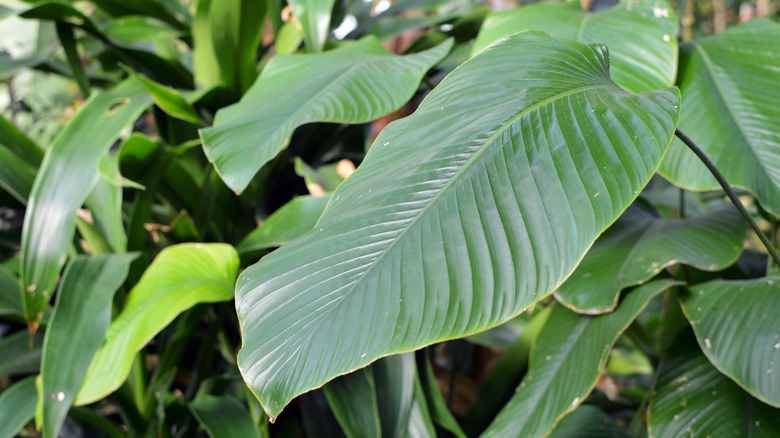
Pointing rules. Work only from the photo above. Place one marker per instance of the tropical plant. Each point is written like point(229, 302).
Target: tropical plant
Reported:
point(563, 221)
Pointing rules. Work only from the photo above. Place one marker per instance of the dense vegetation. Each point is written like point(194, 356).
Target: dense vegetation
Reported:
point(563, 221)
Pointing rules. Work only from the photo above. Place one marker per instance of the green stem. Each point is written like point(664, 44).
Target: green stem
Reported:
point(730, 193)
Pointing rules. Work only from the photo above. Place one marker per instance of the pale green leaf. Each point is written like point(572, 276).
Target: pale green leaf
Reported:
point(314, 16)
point(461, 216)
point(180, 277)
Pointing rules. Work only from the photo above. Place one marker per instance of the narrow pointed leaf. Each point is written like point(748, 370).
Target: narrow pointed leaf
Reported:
point(314, 16)
point(692, 399)
point(641, 36)
point(730, 83)
point(292, 220)
point(224, 417)
point(566, 361)
point(639, 245)
point(353, 84)
point(737, 327)
point(170, 100)
point(83, 312)
point(17, 406)
point(68, 172)
point(180, 277)
point(461, 216)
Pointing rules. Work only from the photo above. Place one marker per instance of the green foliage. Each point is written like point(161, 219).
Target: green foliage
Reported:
point(505, 260)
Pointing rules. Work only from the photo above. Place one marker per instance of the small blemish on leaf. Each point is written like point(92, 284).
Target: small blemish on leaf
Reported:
point(116, 105)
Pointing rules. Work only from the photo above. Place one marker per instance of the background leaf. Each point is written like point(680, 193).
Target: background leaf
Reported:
point(68, 172)
point(588, 421)
point(82, 312)
point(353, 400)
point(180, 277)
point(728, 83)
point(641, 36)
point(737, 328)
point(17, 406)
point(457, 220)
point(224, 417)
point(356, 83)
point(565, 364)
point(314, 16)
point(691, 398)
point(639, 245)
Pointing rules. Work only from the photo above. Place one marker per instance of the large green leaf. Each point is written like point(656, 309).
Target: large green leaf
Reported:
point(639, 245)
point(565, 364)
point(692, 399)
point(17, 406)
point(314, 16)
point(224, 417)
point(641, 36)
point(353, 84)
point(461, 216)
point(68, 172)
point(729, 85)
point(180, 277)
point(83, 312)
point(737, 327)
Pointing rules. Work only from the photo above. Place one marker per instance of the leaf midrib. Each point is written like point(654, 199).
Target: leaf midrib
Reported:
point(455, 179)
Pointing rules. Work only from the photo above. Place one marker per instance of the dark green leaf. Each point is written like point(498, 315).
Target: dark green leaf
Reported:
point(640, 245)
point(588, 421)
point(461, 216)
point(353, 400)
point(82, 312)
point(565, 364)
point(17, 356)
point(17, 406)
point(729, 83)
point(224, 417)
point(16, 176)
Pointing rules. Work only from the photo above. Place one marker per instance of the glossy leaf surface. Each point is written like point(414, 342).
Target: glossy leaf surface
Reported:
point(641, 36)
point(692, 399)
point(180, 277)
point(68, 172)
point(82, 312)
point(738, 329)
point(461, 216)
point(639, 245)
point(565, 364)
point(729, 83)
point(353, 84)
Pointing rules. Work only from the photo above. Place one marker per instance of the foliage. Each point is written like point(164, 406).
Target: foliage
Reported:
point(524, 249)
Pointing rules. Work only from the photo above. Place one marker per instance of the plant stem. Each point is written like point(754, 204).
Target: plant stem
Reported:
point(730, 193)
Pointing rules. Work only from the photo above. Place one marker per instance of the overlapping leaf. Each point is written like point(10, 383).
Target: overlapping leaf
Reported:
point(287, 223)
point(729, 85)
point(68, 172)
point(641, 36)
point(692, 399)
point(224, 417)
point(565, 364)
point(639, 245)
point(461, 216)
point(737, 327)
point(180, 277)
point(353, 84)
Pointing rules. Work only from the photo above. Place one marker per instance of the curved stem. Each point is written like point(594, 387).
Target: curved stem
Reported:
point(730, 193)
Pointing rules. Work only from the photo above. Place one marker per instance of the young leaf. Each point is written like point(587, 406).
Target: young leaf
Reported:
point(641, 36)
point(729, 83)
point(738, 330)
point(566, 361)
point(461, 216)
point(83, 312)
point(180, 277)
point(353, 84)
point(68, 172)
point(644, 245)
point(314, 16)
point(692, 399)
